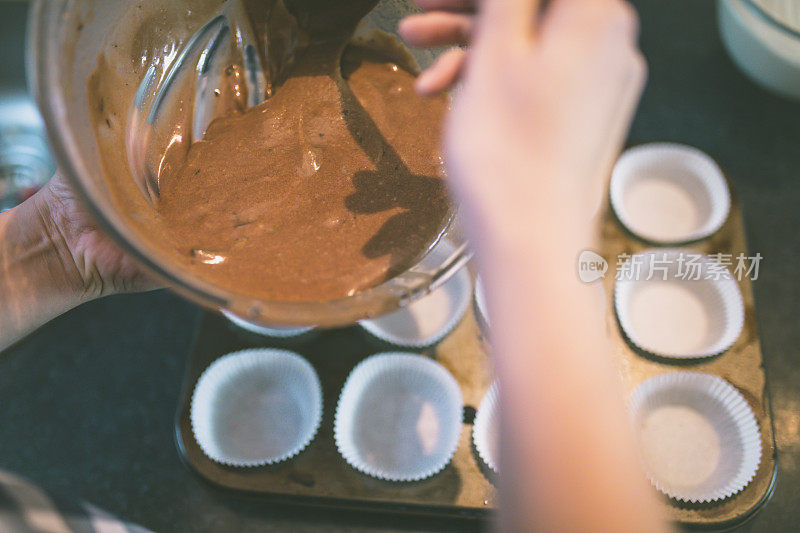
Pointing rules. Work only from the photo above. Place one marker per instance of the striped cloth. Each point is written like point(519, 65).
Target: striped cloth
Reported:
point(25, 508)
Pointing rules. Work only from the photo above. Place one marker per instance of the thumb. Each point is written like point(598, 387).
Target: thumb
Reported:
point(502, 22)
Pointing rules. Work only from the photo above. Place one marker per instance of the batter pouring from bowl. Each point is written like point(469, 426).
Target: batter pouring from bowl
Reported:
point(333, 184)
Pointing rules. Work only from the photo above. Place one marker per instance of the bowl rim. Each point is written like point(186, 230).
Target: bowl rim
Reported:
point(770, 18)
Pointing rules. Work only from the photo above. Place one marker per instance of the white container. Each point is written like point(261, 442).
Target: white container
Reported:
point(664, 310)
point(481, 306)
point(698, 437)
point(256, 407)
point(486, 429)
point(669, 193)
point(274, 332)
point(765, 47)
point(399, 417)
point(429, 319)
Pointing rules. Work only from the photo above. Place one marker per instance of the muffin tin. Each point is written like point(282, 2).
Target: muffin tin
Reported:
point(319, 475)
point(741, 365)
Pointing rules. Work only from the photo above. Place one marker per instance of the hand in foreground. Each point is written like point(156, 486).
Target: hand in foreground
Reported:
point(548, 92)
point(446, 23)
point(99, 266)
point(548, 95)
point(54, 257)
point(555, 85)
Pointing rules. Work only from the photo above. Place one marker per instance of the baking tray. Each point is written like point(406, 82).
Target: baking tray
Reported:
point(319, 476)
point(742, 366)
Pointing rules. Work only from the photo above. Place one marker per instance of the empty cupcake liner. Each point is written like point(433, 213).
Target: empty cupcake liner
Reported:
point(699, 438)
point(486, 429)
point(481, 308)
point(256, 407)
point(678, 303)
point(399, 417)
point(429, 319)
point(281, 333)
point(669, 193)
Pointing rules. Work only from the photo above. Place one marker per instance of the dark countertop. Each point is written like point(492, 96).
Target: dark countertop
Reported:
point(87, 403)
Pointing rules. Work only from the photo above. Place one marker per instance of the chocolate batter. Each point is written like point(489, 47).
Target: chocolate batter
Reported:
point(330, 186)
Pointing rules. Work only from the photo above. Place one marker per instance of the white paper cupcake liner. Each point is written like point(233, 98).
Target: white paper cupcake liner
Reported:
point(486, 429)
point(481, 307)
point(281, 333)
point(399, 417)
point(669, 193)
point(429, 319)
point(684, 316)
point(256, 407)
point(699, 439)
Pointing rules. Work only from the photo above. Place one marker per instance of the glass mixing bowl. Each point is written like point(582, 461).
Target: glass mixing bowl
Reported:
point(67, 38)
point(763, 38)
